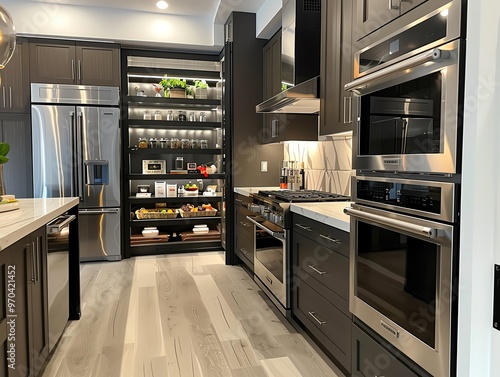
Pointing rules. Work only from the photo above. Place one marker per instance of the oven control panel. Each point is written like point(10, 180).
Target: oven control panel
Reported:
point(420, 197)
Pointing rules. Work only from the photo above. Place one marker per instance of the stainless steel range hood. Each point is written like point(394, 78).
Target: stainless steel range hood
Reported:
point(300, 59)
point(300, 99)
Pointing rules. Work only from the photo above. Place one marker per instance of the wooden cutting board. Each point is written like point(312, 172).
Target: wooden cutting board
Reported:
point(138, 239)
point(191, 236)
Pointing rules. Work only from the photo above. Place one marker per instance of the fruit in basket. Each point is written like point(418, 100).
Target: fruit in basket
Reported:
point(207, 207)
point(190, 187)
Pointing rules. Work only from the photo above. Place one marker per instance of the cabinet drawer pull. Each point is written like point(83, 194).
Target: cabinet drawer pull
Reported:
point(330, 239)
point(304, 227)
point(244, 251)
point(313, 314)
point(4, 94)
point(10, 96)
point(72, 69)
point(316, 270)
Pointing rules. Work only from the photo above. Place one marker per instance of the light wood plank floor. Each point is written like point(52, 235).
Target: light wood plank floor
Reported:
point(183, 315)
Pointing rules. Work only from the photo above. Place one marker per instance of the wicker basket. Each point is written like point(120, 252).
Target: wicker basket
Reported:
point(157, 213)
point(208, 213)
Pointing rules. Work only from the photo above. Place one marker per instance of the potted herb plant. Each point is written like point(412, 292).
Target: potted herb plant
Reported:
point(4, 149)
point(201, 89)
point(174, 88)
point(189, 92)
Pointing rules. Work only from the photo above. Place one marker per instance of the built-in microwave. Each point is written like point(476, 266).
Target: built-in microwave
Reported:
point(373, 20)
point(409, 95)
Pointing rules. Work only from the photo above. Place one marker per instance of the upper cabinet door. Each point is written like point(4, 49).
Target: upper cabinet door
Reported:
point(70, 63)
point(98, 65)
point(14, 84)
point(336, 67)
point(52, 63)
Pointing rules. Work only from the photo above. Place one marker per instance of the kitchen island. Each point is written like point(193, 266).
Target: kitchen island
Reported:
point(31, 215)
point(26, 271)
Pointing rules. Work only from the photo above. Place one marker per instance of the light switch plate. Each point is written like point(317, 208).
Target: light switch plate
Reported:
point(263, 166)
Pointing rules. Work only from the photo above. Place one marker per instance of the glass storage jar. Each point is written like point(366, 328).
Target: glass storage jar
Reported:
point(175, 143)
point(185, 144)
point(192, 117)
point(153, 142)
point(146, 115)
point(164, 142)
point(195, 144)
point(142, 143)
point(202, 117)
point(204, 144)
point(158, 115)
point(170, 115)
point(182, 116)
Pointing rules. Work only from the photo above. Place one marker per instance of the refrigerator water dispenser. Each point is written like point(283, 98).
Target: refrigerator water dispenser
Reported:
point(97, 172)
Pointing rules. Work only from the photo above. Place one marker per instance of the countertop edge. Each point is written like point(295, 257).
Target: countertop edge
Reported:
point(247, 191)
point(336, 219)
point(26, 229)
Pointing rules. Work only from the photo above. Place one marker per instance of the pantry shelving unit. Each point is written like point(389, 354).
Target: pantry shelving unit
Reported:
point(141, 70)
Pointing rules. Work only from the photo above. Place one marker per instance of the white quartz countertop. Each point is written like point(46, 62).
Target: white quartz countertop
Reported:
point(331, 213)
point(247, 191)
point(31, 215)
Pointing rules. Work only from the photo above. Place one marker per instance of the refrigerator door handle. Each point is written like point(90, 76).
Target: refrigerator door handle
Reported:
point(74, 179)
point(79, 154)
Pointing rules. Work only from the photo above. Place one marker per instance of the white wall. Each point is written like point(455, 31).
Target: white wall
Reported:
point(142, 28)
point(268, 19)
point(478, 342)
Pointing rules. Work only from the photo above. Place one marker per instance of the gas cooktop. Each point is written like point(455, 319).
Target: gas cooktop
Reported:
point(303, 196)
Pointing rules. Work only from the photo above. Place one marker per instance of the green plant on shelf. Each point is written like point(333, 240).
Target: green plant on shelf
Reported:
point(200, 84)
point(173, 83)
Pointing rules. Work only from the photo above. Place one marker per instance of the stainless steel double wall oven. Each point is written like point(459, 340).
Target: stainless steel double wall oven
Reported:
point(408, 86)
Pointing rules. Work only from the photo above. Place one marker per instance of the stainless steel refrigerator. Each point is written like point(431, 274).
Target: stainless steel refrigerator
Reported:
point(76, 153)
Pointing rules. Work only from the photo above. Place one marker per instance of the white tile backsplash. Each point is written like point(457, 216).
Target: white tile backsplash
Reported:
point(328, 164)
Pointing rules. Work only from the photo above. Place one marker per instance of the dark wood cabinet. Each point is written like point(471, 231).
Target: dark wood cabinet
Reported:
point(23, 270)
point(336, 110)
point(15, 83)
point(65, 62)
point(320, 288)
point(282, 127)
point(371, 359)
point(244, 239)
point(15, 129)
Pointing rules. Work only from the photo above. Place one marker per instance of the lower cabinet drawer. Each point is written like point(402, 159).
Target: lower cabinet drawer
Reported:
point(329, 268)
point(244, 248)
point(327, 324)
point(370, 359)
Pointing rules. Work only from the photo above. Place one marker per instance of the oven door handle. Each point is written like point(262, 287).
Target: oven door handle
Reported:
point(397, 224)
point(432, 55)
point(280, 235)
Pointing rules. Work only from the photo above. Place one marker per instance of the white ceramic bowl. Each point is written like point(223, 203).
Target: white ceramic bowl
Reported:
point(150, 232)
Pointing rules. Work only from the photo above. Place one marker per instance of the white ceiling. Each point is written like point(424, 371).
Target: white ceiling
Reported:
point(217, 10)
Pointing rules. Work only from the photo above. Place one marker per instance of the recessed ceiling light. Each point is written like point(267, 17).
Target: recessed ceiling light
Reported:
point(162, 4)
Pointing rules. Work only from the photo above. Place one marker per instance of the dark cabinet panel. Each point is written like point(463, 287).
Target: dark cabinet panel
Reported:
point(37, 302)
point(325, 266)
point(326, 323)
point(64, 62)
point(244, 239)
point(336, 67)
point(52, 63)
point(98, 65)
point(23, 267)
point(15, 129)
point(321, 285)
point(14, 82)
